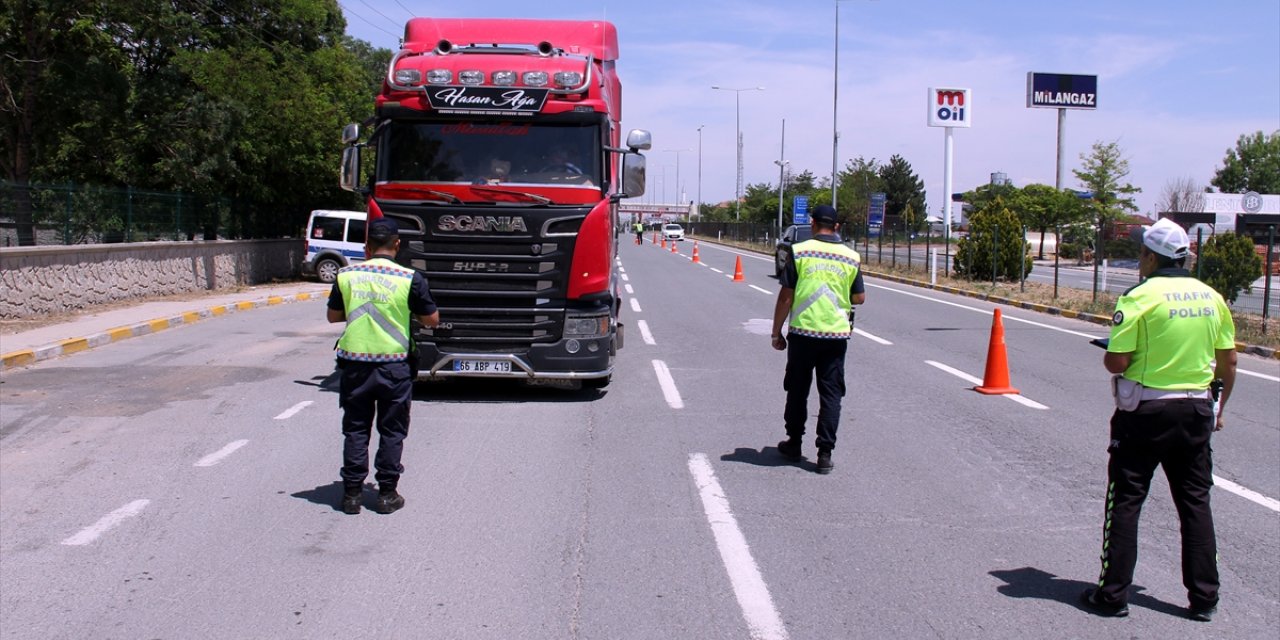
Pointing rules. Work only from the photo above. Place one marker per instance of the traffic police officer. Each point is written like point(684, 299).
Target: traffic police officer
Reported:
point(1166, 334)
point(820, 283)
point(638, 227)
point(375, 299)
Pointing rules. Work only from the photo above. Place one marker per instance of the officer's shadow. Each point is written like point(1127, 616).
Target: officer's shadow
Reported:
point(1029, 582)
point(329, 382)
point(766, 457)
point(330, 495)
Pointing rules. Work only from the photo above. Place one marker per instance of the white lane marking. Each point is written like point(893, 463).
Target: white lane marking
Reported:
point(986, 311)
point(763, 621)
point(220, 454)
point(620, 269)
point(752, 255)
point(635, 305)
point(1034, 323)
point(668, 384)
point(871, 337)
point(644, 332)
point(955, 372)
point(92, 532)
point(1247, 494)
point(1258, 375)
point(626, 278)
point(289, 413)
point(628, 288)
point(716, 270)
point(703, 264)
point(764, 291)
point(1018, 398)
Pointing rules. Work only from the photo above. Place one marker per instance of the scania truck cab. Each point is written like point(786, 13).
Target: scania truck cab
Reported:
point(495, 148)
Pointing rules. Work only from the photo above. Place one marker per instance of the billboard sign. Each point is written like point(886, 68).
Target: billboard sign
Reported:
point(875, 210)
point(949, 107)
point(1061, 91)
point(800, 210)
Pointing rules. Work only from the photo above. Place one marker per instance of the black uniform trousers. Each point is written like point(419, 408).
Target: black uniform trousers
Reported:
point(1174, 434)
point(368, 390)
point(805, 356)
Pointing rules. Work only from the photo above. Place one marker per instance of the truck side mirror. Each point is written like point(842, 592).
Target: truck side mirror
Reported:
point(349, 177)
point(633, 165)
point(639, 140)
point(350, 133)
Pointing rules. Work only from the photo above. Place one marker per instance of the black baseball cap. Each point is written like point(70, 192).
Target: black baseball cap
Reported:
point(382, 230)
point(824, 213)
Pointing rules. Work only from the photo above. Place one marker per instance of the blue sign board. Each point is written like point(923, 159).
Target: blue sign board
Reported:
point(875, 210)
point(800, 210)
point(1062, 91)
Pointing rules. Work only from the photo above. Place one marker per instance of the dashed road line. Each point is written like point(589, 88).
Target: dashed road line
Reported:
point(220, 454)
point(763, 621)
point(716, 270)
point(668, 384)
point(761, 290)
point(1006, 316)
point(635, 305)
point(644, 332)
point(872, 338)
point(291, 411)
point(108, 522)
point(1257, 375)
point(977, 381)
point(630, 291)
point(1247, 494)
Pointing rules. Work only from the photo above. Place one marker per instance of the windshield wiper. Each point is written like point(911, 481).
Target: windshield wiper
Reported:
point(521, 194)
point(440, 195)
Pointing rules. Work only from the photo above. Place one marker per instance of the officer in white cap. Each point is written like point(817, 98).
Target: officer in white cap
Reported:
point(1172, 338)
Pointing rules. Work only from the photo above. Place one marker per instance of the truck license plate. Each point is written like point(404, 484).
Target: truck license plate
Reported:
point(482, 366)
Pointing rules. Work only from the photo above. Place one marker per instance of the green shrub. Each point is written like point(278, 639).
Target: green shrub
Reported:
point(1229, 264)
point(993, 223)
point(1122, 248)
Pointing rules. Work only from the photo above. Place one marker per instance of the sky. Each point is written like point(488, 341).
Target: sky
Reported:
point(1178, 83)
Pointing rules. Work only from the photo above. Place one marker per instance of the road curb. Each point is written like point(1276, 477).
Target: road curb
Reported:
point(1257, 350)
point(27, 357)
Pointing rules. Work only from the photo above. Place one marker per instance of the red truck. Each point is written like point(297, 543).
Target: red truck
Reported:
point(495, 148)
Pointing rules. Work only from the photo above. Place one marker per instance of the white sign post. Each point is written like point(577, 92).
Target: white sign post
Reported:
point(948, 108)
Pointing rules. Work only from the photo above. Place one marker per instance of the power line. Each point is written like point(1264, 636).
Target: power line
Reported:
point(375, 10)
point(406, 10)
point(347, 10)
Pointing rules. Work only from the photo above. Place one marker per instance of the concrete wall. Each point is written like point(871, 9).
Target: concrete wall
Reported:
point(41, 280)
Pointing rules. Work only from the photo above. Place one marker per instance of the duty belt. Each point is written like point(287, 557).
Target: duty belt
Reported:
point(1175, 394)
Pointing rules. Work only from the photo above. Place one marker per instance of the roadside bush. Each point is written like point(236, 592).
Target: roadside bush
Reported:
point(1122, 248)
point(1229, 264)
point(1069, 250)
point(993, 223)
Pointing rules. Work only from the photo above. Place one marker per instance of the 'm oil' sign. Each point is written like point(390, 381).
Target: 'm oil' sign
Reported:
point(949, 107)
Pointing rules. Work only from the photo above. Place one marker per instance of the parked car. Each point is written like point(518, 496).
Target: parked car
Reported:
point(794, 233)
point(335, 239)
point(672, 231)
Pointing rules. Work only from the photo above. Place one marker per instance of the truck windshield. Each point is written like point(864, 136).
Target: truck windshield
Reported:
point(483, 153)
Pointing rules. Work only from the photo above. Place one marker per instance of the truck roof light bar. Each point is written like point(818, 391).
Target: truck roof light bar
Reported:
point(399, 82)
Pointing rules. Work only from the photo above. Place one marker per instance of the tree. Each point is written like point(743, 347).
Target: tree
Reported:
point(1254, 165)
point(1101, 173)
point(1042, 207)
point(993, 227)
point(859, 179)
point(1229, 264)
point(1181, 195)
point(902, 187)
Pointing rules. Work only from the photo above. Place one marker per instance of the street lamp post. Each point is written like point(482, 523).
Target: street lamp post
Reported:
point(677, 152)
point(698, 209)
point(737, 106)
point(835, 112)
point(782, 173)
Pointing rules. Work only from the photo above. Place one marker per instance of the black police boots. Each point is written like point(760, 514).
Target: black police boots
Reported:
point(388, 502)
point(351, 498)
point(824, 461)
point(790, 448)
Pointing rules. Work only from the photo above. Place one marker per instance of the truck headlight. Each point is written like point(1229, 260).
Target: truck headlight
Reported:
point(586, 327)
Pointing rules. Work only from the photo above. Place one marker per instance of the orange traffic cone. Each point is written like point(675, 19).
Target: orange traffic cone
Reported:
point(673, 247)
point(737, 270)
point(996, 379)
point(664, 242)
point(695, 252)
